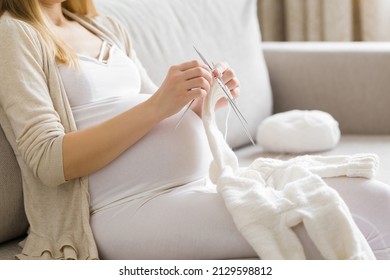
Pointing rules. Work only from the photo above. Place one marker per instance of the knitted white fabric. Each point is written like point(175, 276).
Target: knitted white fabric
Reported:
point(270, 197)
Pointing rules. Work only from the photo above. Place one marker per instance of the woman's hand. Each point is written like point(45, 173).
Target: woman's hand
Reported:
point(228, 76)
point(183, 83)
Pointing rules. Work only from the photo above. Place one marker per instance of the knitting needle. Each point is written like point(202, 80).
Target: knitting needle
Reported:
point(182, 115)
point(224, 88)
point(229, 96)
point(238, 113)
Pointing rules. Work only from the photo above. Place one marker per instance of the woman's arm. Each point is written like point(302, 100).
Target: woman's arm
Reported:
point(88, 150)
point(29, 119)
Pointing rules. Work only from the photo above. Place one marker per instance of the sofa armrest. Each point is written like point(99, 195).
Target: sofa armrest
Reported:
point(351, 81)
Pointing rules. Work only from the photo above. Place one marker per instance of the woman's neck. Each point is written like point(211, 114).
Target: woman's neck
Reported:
point(54, 13)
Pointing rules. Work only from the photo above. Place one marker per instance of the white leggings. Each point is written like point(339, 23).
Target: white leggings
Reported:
point(193, 223)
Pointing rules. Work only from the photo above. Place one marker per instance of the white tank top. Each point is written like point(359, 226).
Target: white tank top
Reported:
point(162, 159)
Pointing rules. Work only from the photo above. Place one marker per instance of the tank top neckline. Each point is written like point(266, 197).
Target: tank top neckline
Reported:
point(105, 54)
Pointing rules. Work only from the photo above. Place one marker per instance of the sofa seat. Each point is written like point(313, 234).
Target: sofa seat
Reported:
point(348, 145)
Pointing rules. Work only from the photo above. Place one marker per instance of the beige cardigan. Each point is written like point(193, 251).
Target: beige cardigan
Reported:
point(35, 115)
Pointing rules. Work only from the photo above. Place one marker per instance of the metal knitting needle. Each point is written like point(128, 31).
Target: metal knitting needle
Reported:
point(224, 88)
point(182, 115)
point(238, 113)
point(229, 97)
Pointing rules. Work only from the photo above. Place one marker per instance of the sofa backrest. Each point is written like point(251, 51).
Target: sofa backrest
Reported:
point(13, 221)
point(164, 32)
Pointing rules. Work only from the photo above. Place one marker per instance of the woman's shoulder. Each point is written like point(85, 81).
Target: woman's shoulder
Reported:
point(18, 40)
point(10, 24)
point(14, 30)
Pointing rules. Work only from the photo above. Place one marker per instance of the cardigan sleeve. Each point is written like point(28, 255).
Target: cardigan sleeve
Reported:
point(25, 99)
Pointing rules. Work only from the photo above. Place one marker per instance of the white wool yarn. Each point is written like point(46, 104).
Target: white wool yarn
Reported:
point(298, 131)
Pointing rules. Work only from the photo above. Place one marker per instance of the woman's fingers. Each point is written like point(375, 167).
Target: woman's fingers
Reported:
point(199, 82)
point(190, 64)
point(198, 72)
point(195, 93)
point(224, 71)
point(234, 86)
point(228, 76)
point(196, 76)
point(190, 75)
point(193, 78)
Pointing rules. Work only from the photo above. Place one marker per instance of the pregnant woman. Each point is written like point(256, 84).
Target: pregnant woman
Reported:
point(105, 173)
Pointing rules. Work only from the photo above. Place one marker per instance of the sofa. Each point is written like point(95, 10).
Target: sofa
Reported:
point(347, 80)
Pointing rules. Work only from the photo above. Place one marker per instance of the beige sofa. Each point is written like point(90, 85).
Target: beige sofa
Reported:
point(348, 80)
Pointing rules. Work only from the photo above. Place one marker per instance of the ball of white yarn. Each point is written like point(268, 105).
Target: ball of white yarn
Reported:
point(298, 131)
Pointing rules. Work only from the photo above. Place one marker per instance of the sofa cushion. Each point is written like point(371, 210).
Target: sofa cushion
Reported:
point(164, 33)
point(13, 222)
point(10, 249)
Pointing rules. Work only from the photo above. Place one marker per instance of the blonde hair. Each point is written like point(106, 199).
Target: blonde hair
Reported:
point(30, 11)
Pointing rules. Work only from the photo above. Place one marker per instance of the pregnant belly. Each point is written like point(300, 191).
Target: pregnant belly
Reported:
point(163, 158)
